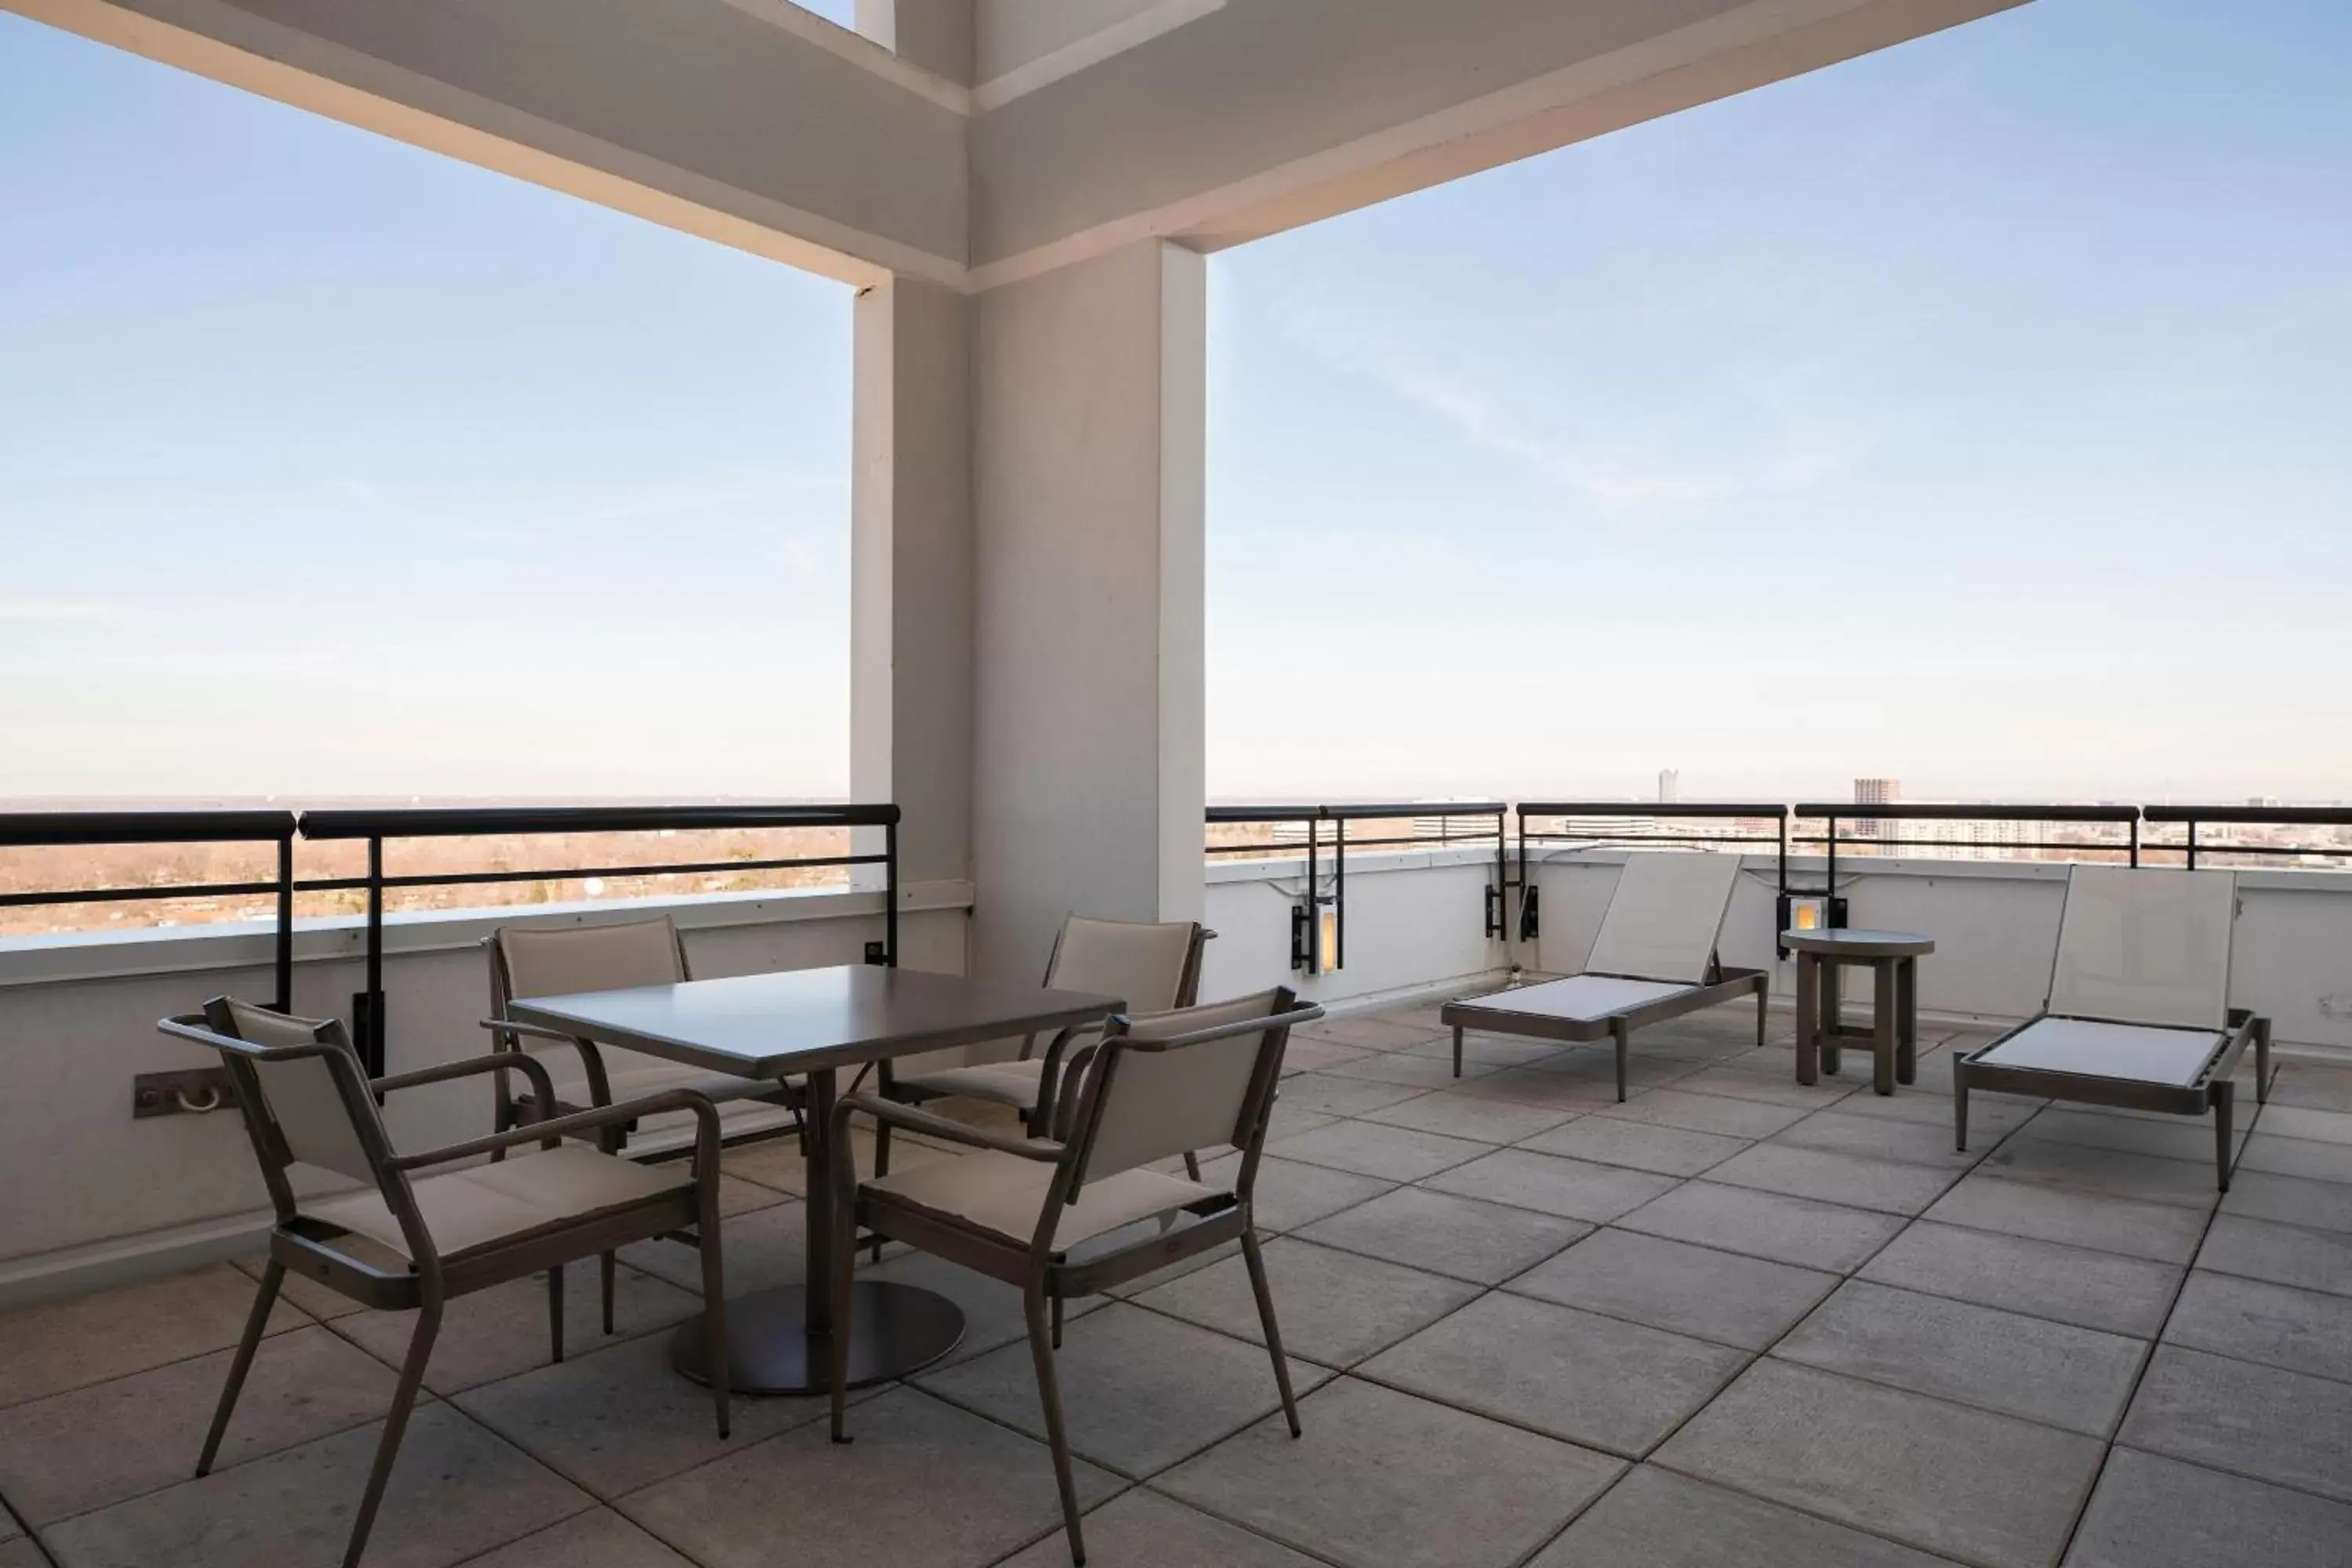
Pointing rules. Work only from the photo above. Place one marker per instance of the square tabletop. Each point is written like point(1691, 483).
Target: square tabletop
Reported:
point(800, 1020)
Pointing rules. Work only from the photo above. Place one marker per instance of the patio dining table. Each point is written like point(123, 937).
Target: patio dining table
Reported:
point(815, 1022)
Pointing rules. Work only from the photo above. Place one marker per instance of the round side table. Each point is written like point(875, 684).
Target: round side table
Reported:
point(1893, 957)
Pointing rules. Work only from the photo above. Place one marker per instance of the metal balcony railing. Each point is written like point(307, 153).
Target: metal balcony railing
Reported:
point(378, 827)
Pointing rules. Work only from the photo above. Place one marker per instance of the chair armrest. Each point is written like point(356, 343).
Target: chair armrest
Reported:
point(1041, 1115)
point(916, 1120)
point(600, 1091)
point(499, 1061)
point(551, 1133)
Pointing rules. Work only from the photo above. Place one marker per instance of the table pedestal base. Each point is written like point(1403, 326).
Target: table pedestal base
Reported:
point(893, 1329)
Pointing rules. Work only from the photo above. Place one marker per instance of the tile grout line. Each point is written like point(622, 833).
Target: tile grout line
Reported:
point(1755, 1359)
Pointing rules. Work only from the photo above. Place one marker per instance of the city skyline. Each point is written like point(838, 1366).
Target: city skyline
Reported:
point(1738, 439)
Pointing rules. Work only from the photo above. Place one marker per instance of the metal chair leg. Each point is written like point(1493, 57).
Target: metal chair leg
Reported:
point(606, 1269)
point(2225, 1101)
point(555, 1310)
point(396, 1423)
point(1191, 1166)
point(256, 1323)
point(1049, 1395)
point(1256, 1263)
point(1057, 1322)
point(1620, 1035)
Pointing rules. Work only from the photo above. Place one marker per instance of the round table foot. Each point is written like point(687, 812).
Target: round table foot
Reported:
point(894, 1330)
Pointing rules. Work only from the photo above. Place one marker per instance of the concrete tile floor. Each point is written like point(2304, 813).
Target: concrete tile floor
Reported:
point(1732, 1322)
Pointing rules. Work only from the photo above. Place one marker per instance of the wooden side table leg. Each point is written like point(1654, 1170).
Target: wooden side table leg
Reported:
point(1809, 1003)
point(1829, 998)
point(1906, 1019)
point(1884, 1038)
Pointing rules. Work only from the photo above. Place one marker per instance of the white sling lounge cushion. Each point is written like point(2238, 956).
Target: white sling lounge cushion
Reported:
point(2135, 1052)
point(1583, 997)
point(1665, 917)
point(1004, 1194)
point(484, 1205)
point(2143, 945)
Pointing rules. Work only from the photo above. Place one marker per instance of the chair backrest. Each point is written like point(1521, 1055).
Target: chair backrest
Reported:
point(313, 1097)
point(1665, 916)
point(1170, 1083)
point(1153, 966)
point(557, 961)
point(2146, 945)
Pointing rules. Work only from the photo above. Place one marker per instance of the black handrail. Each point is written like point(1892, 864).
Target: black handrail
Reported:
point(2191, 817)
point(1531, 918)
point(1833, 812)
point(42, 830)
point(376, 825)
point(1305, 929)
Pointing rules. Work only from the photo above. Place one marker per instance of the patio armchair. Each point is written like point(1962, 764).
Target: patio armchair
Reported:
point(1654, 958)
point(1152, 967)
point(559, 961)
point(2139, 1013)
point(1084, 1210)
point(409, 1240)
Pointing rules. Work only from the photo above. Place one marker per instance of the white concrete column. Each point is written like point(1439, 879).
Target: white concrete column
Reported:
point(1088, 444)
point(936, 35)
point(910, 572)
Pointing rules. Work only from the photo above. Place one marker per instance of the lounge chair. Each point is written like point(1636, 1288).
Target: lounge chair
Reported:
point(1654, 958)
point(2138, 1013)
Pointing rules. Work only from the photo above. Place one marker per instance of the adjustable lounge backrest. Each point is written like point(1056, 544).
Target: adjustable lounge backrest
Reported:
point(1152, 966)
point(2140, 945)
point(1665, 917)
point(315, 1120)
point(1154, 1104)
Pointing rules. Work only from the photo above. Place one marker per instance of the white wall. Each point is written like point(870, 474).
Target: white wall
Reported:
point(82, 1181)
point(1413, 920)
point(1996, 930)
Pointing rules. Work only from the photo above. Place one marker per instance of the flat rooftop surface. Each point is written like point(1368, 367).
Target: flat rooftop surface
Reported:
point(1733, 1321)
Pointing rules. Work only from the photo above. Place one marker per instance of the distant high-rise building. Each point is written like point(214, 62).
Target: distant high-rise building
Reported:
point(1875, 792)
point(1670, 786)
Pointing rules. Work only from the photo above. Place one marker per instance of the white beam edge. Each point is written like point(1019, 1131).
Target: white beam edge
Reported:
point(861, 51)
point(1091, 50)
point(506, 140)
point(1699, 64)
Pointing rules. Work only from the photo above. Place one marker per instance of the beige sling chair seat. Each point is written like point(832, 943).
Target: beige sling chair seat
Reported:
point(1084, 1211)
point(1653, 959)
point(408, 1239)
point(1150, 966)
point(2139, 1013)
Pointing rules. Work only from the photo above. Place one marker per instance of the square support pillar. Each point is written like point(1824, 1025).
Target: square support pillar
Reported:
point(1089, 434)
point(910, 576)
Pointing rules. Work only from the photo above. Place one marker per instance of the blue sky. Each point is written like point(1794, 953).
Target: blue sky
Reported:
point(1971, 413)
